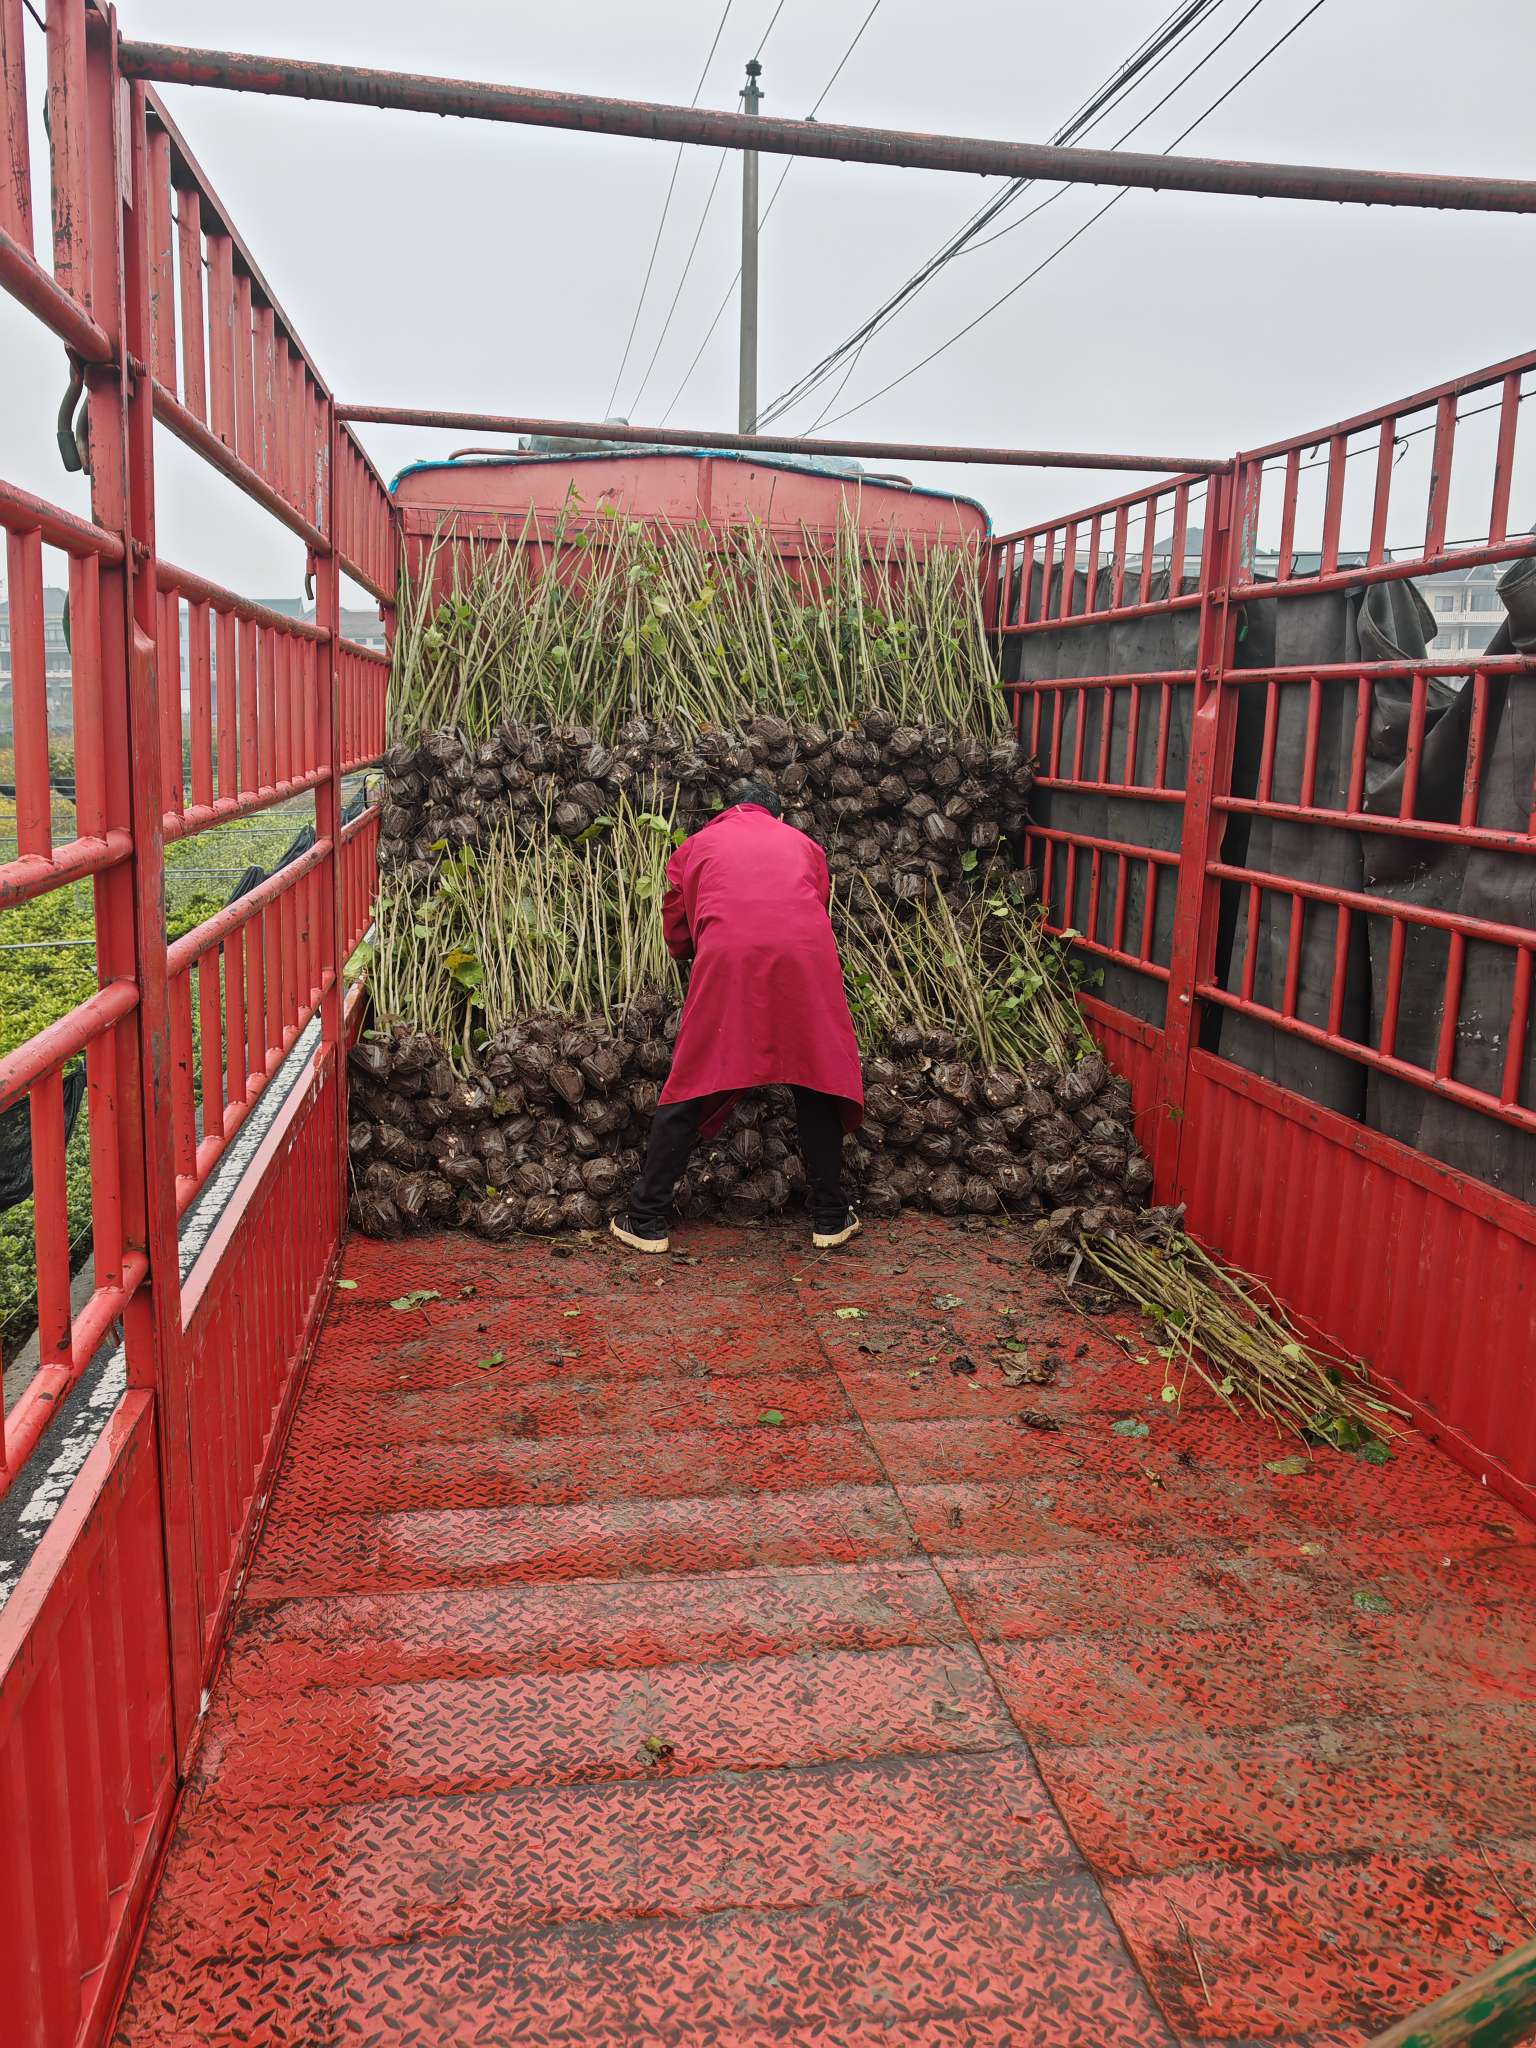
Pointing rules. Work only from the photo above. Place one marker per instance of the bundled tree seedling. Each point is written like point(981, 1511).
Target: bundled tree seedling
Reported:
point(693, 627)
point(564, 709)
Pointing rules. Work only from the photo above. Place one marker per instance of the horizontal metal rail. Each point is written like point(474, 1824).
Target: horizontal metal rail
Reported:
point(193, 818)
point(25, 279)
point(21, 512)
point(39, 1402)
point(63, 1039)
point(1417, 401)
point(186, 951)
point(771, 444)
point(188, 428)
point(1112, 615)
point(1508, 1111)
point(1123, 506)
point(353, 85)
point(35, 874)
point(199, 590)
point(1458, 922)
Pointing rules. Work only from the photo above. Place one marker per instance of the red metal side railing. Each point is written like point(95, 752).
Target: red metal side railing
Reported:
point(1317, 894)
point(107, 1640)
point(1112, 745)
point(193, 707)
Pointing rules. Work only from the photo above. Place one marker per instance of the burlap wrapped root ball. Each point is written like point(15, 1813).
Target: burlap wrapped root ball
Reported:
point(547, 1132)
point(901, 810)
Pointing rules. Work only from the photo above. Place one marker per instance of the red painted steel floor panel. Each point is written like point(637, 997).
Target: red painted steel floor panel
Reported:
point(719, 1670)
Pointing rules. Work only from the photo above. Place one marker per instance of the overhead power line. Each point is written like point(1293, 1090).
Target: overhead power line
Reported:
point(762, 44)
point(1079, 232)
point(768, 31)
point(1157, 47)
point(666, 207)
point(788, 166)
point(693, 249)
point(1060, 192)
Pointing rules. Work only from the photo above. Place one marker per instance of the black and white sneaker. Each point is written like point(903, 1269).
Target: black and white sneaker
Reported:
point(637, 1238)
point(840, 1233)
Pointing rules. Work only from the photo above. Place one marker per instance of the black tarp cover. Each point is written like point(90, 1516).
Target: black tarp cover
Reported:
point(1381, 621)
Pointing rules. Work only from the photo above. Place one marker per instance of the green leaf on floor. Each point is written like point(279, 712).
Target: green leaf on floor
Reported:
point(348, 1284)
point(946, 1301)
point(772, 1416)
point(1291, 1466)
point(417, 1298)
point(1372, 1603)
point(1130, 1425)
point(850, 1315)
point(491, 1361)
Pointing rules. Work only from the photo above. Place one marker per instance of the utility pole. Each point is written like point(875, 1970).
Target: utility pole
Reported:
point(746, 406)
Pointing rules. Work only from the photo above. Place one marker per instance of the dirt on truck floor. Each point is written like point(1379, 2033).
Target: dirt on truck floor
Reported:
point(754, 1647)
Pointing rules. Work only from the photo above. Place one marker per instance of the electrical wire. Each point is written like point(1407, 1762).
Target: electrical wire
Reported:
point(788, 166)
point(858, 37)
point(1061, 190)
point(1079, 232)
point(1155, 50)
point(730, 293)
point(1120, 140)
point(666, 207)
point(693, 248)
point(768, 31)
point(697, 233)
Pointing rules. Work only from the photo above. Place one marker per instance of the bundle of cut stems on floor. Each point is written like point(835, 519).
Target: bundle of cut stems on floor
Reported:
point(1227, 1328)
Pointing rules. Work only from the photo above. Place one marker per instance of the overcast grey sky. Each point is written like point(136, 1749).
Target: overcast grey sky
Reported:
point(469, 265)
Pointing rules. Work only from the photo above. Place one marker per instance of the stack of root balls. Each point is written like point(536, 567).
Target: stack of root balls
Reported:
point(901, 809)
point(546, 1130)
point(524, 1010)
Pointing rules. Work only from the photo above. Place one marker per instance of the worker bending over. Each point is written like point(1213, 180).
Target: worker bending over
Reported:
point(747, 899)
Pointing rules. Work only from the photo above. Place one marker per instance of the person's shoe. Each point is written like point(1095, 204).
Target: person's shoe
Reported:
point(639, 1240)
point(840, 1233)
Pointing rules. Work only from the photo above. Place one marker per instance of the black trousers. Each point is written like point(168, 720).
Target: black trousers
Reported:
point(675, 1130)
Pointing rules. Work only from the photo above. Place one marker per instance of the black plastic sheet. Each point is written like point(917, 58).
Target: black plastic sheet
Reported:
point(16, 1138)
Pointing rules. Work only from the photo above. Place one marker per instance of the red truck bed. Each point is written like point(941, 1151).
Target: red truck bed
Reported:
point(580, 1697)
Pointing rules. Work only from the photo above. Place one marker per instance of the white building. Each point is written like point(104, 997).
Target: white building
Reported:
point(1466, 606)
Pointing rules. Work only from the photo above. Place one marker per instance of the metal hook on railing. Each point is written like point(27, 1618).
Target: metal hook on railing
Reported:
point(74, 431)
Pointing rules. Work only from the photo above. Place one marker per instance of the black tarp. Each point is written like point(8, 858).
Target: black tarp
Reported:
point(16, 1138)
point(1477, 882)
point(1161, 641)
point(1374, 622)
point(1385, 621)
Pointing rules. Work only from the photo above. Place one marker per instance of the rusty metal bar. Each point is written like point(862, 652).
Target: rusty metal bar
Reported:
point(199, 590)
point(188, 428)
point(771, 444)
point(352, 85)
point(25, 279)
